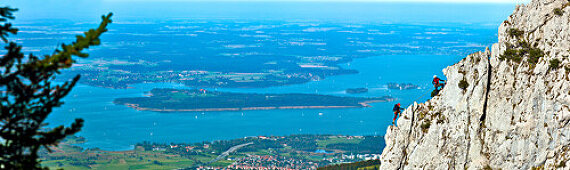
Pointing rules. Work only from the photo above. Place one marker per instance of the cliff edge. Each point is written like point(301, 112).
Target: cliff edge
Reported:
point(504, 108)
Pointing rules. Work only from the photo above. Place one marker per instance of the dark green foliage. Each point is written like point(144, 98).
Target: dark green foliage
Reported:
point(554, 64)
point(534, 55)
point(524, 49)
point(6, 29)
point(511, 55)
point(352, 166)
point(425, 126)
point(525, 45)
point(27, 95)
point(463, 84)
point(514, 32)
point(558, 11)
point(561, 164)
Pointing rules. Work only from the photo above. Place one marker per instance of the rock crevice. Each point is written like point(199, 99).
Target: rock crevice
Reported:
point(485, 103)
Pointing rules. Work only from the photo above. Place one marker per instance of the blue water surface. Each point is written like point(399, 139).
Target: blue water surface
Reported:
point(117, 127)
point(391, 42)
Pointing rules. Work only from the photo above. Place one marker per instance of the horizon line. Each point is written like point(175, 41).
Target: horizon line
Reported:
point(347, 1)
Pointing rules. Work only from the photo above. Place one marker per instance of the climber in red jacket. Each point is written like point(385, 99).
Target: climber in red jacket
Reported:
point(437, 83)
point(396, 110)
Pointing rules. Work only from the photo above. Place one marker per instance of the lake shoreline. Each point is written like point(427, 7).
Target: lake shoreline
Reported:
point(362, 105)
point(202, 100)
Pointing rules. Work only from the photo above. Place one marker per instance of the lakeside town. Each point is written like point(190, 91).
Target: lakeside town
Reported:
point(259, 152)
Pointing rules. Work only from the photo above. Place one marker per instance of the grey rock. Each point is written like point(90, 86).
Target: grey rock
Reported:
point(511, 116)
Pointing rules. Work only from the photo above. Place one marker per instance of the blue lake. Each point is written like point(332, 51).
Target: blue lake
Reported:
point(117, 127)
point(388, 42)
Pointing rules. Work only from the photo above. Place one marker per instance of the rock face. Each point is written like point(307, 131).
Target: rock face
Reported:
point(511, 110)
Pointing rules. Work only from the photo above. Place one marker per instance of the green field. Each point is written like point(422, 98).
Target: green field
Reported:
point(335, 140)
point(173, 156)
point(119, 160)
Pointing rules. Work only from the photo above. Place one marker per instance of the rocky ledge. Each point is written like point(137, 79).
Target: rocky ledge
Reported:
point(504, 108)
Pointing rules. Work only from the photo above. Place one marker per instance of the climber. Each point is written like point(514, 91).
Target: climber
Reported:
point(396, 110)
point(437, 83)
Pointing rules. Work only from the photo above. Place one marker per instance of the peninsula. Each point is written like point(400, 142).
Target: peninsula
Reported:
point(356, 90)
point(201, 100)
point(401, 86)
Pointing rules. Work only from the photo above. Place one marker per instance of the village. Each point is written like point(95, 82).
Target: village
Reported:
point(256, 152)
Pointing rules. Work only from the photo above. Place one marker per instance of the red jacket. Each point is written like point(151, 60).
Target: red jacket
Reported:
point(436, 80)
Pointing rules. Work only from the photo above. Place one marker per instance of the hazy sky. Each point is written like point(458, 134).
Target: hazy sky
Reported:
point(447, 1)
point(489, 11)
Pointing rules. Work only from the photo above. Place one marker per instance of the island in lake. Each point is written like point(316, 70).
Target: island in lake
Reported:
point(200, 100)
point(356, 90)
point(402, 86)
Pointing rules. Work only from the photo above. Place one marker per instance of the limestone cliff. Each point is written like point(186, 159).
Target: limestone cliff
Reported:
point(511, 110)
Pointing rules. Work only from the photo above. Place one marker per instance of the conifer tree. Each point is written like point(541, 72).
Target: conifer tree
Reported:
point(28, 94)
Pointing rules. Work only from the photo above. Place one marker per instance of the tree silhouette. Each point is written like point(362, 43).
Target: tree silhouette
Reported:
point(28, 94)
